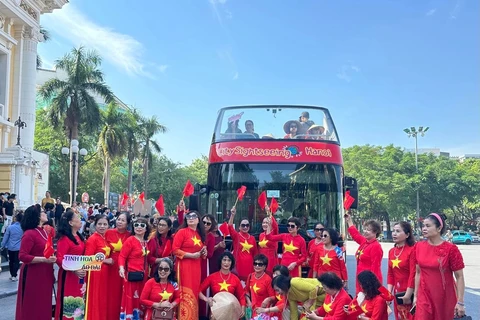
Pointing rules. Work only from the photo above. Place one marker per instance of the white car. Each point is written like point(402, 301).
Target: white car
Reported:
point(475, 237)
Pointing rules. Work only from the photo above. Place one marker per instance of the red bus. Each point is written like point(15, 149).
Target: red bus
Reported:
point(291, 152)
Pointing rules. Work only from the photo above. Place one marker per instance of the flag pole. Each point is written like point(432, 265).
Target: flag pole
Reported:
point(87, 295)
point(236, 201)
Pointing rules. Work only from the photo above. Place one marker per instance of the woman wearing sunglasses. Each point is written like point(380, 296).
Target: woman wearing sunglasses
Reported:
point(133, 267)
point(188, 247)
point(313, 245)
point(160, 245)
point(224, 280)
point(244, 246)
point(161, 292)
point(329, 257)
point(259, 286)
point(294, 247)
point(209, 224)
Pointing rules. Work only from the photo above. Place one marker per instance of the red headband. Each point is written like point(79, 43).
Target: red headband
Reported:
point(436, 215)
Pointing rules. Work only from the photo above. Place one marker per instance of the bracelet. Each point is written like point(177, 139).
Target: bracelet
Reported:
point(461, 303)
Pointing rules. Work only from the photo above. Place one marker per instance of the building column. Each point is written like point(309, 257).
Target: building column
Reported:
point(28, 95)
point(17, 81)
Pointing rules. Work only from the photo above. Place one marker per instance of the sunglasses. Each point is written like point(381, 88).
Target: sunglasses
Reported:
point(163, 269)
point(191, 216)
point(258, 264)
point(140, 225)
point(325, 236)
point(318, 229)
point(245, 225)
point(207, 223)
point(292, 226)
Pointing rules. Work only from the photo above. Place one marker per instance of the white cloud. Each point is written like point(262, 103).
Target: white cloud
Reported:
point(346, 70)
point(121, 50)
point(162, 68)
point(235, 76)
point(221, 11)
point(455, 10)
point(431, 12)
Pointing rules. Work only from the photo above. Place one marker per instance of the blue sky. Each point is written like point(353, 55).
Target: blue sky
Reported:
point(378, 66)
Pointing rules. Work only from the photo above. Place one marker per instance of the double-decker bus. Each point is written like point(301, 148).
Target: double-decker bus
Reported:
point(291, 152)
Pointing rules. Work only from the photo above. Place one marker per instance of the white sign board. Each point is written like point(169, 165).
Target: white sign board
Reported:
point(41, 175)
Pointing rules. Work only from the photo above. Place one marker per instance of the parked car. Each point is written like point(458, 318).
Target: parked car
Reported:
point(460, 236)
point(475, 237)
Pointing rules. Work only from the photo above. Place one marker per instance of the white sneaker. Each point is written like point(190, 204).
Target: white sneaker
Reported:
point(15, 278)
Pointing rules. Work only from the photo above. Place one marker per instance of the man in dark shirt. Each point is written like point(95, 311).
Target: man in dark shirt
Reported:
point(7, 209)
point(59, 209)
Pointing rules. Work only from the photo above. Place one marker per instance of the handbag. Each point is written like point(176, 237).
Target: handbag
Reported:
point(162, 314)
point(137, 276)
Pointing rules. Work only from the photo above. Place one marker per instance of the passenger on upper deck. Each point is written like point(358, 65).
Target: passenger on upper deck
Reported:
point(315, 132)
point(250, 128)
point(304, 120)
point(268, 136)
point(292, 128)
point(233, 127)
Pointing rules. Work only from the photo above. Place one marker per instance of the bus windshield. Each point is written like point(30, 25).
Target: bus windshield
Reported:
point(311, 192)
point(274, 122)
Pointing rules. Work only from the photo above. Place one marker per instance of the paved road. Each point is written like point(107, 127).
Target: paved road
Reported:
point(470, 254)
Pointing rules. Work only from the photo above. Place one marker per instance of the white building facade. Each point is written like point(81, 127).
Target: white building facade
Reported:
point(19, 36)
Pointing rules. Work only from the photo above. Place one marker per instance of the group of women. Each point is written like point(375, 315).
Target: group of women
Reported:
point(160, 275)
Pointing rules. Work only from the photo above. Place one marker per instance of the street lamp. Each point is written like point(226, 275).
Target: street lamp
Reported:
point(414, 132)
point(74, 148)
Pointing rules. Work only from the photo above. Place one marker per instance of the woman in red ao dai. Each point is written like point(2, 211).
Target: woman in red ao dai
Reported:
point(401, 270)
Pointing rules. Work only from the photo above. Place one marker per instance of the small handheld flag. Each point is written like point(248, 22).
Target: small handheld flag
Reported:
point(348, 201)
point(273, 206)
point(160, 206)
point(141, 197)
point(48, 251)
point(262, 200)
point(188, 189)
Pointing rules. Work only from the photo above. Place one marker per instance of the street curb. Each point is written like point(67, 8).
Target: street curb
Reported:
point(8, 294)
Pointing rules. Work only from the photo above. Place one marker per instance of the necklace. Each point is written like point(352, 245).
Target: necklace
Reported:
point(228, 277)
point(395, 251)
point(334, 297)
point(258, 278)
point(164, 288)
point(318, 241)
point(44, 235)
point(240, 234)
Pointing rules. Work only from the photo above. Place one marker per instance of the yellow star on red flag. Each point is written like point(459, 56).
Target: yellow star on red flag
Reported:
point(326, 260)
point(263, 243)
point(246, 246)
point(396, 263)
point(196, 241)
point(117, 246)
point(165, 295)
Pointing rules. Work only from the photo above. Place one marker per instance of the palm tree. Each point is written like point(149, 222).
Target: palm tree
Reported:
point(72, 103)
point(132, 132)
point(46, 37)
point(111, 141)
point(149, 128)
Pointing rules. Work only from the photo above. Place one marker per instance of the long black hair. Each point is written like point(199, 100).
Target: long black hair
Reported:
point(200, 226)
point(158, 236)
point(31, 218)
point(65, 229)
point(369, 283)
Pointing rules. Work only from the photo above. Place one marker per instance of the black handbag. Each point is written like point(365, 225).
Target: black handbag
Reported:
point(399, 295)
point(138, 276)
point(135, 276)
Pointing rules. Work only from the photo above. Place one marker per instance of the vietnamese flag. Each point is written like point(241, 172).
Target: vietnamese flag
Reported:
point(224, 229)
point(123, 203)
point(48, 251)
point(160, 206)
point(188, 190)
point(348, 201)
point(273, 206)
point(141, 197)
point(241, 192)
point(262, 200)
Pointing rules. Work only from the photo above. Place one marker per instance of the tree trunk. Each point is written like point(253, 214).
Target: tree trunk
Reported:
point(106, 179)
point(130, 175)
point(145, 176)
